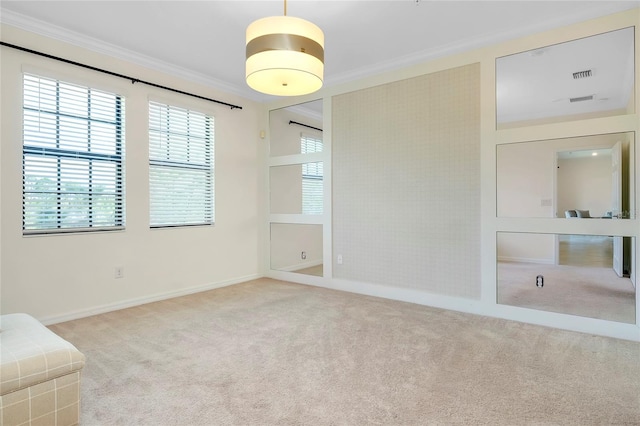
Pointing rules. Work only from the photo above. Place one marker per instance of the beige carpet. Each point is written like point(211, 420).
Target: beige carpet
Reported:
point(268, 352)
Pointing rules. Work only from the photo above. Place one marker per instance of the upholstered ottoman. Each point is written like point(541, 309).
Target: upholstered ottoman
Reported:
point(39, 374)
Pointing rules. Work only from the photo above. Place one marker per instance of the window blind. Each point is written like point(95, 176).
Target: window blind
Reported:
point(181, 166)
point(310, 144)
point(312, 176)
point(72, 162)
point(312, 192)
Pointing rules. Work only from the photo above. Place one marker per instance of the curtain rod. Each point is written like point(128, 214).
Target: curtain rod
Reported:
point(126, 77)
point(305, 125)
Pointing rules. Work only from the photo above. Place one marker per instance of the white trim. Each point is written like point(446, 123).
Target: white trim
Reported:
point(307, 112)
point(538, 261)
point(58, 33)
point(511, 313)
point(548, 319)
point(472, 44)
point(289, 160)
point(110, 307)
point(309, 219)
point(304, 265)
point(80, 40)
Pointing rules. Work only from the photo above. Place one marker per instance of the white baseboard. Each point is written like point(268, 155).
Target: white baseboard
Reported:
point(420, 297)
point(539, 261)
point(478, 307)
point(101, 309)
point(299, 266)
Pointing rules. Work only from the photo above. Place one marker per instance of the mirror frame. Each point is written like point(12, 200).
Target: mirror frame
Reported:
point(289, 159)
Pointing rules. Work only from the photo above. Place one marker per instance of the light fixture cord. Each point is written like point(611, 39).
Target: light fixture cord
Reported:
point(285, 7)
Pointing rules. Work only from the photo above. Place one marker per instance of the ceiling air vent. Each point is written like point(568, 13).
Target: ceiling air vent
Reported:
point(582, 74)
point(581, 99)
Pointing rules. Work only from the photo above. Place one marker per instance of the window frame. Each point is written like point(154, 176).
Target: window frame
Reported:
point(167, 163)
point(37, 152)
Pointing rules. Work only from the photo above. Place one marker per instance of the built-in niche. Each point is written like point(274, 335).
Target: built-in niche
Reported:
point(575, 178)
point(296, 188)
point(579, 79)
point(584, 275)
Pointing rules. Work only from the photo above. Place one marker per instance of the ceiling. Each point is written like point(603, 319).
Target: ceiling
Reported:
point(204, 41)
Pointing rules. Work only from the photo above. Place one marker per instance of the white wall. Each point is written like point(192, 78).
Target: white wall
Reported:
point(54, 277)
point(285, 136)
point(64, 276)
point(365, 227)
point(526, 247)
point(406, 183)
point(526, 178)
point(285, 189)
point(289, 240)
point(285, 180)
point(585, 184)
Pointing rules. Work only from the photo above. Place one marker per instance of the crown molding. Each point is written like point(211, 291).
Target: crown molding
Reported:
point(479, 42)
point(58, 33)
point(45, 29)
point(304, 110)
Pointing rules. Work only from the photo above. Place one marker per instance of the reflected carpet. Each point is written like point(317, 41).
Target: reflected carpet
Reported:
point(583, 291)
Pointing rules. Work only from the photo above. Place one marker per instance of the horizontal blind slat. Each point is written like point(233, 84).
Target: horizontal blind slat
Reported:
point(181, 161)
point(73, 142)
point(312, 176)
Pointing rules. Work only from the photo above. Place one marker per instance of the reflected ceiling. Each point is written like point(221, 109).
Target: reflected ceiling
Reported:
point(589, 75)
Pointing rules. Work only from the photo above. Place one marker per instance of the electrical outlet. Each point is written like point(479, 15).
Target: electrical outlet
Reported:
point(118, 272)
point(339, 259)
point(539, 281)
point(303, 255)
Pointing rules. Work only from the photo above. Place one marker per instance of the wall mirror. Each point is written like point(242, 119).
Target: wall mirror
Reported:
point(297, 248)
point(296, 129)
point(296, 188)
point(586, 78)
point(583, 275)
point(581, 177)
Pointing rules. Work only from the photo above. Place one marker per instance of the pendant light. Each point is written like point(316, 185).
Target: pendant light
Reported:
point(285, 55)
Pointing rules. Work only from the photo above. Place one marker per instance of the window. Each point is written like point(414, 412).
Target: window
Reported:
point(72, 158)
point(309, 144)
point(312, 174)
point(181, 166)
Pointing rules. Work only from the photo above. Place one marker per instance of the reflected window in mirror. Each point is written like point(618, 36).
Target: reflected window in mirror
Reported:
point(297, 248)
point(297, 188)
point(580, 79)
point(583, 275)
point(296, 129)
point(575, 178)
